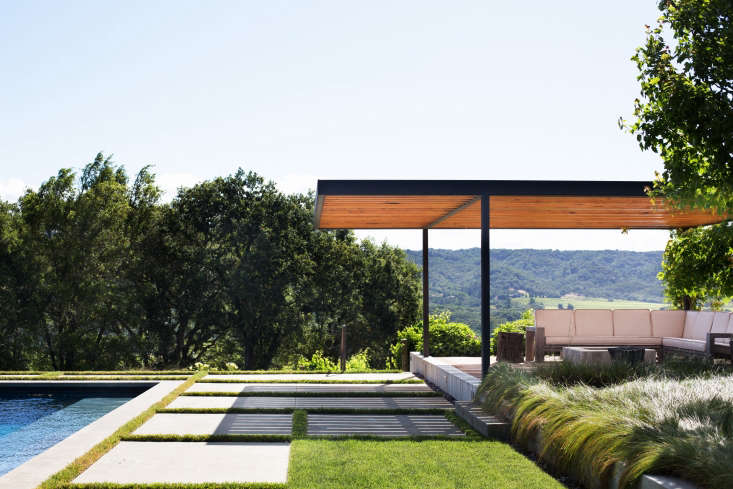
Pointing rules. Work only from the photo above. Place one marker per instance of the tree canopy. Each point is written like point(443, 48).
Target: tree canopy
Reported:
point(96, 272)
point(685, 112)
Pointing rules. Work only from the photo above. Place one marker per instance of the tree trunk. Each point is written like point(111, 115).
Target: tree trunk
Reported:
point(509, 347)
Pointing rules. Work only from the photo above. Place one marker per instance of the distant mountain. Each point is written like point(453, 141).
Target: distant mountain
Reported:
point(455, 276)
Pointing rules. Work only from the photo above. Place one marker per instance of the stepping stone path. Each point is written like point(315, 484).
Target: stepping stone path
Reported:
point(276, 387)
point(217, 424)
point(251, 402)
point(145, 462)
point(380, 425)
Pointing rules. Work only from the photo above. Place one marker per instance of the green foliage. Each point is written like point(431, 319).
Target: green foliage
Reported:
point(685, 113)
point(447, 339)
point(96, 273)
point(316, 362)
point(372, 464)
point(698, 264)
point(358, 361)
point(642, 418)
point(518, 326)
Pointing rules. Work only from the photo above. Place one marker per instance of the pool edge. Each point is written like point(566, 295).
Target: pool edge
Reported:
point(35, 471)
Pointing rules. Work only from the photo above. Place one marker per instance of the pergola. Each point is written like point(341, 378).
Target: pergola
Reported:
point(493, 204)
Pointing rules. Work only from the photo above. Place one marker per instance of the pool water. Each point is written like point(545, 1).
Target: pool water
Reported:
point(32, 420)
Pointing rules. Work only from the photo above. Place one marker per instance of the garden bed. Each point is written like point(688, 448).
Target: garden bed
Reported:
point(675, 419)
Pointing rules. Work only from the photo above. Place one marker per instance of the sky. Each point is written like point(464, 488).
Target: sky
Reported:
point(308, 90)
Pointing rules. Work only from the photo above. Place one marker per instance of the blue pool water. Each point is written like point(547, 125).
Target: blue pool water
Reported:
point(34, 419)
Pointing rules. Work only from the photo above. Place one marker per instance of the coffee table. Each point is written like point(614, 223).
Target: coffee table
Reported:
point(597, 355)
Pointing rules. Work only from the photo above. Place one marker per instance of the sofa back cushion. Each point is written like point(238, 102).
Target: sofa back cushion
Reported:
point(720, 322)
point(632, 322)
point(730, 325)
point(698, 329)
point(556, 322)
point(593, 322)
point(668, 324)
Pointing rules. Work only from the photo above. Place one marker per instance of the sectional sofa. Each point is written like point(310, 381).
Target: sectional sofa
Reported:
point(704, 333)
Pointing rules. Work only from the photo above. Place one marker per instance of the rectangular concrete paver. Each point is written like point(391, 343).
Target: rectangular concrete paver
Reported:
point(276, 387)
point(226, 402)
point(217, 424)
point(350, 377)
point(221, 402)
point(190, 462)
point(380, 425)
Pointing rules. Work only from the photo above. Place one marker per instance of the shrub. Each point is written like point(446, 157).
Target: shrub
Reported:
point(316, 362)
point(446, 339)
point(358, 361)
point(518, 326)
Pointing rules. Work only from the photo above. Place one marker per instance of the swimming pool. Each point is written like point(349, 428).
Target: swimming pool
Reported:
point(34, 419)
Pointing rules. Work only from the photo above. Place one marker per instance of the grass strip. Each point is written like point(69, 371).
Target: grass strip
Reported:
point(98, 372)
point(435, 411)
point(168, 485)
point(209, 438)
point(300, 423)
point(371, 464)
point(463, 425)
point(71, 471)
point(313, 394)
point(307, 381)
point(44, 378)
point(393, 438)
point(256, 372)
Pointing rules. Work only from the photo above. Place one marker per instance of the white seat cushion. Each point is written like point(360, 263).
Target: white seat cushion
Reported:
point(555, 321)
point(593, 322)
point(632, 322)
point(720, 322)
point(684, 343)
point(668, 323)
point(701, 327)
point(616, 340)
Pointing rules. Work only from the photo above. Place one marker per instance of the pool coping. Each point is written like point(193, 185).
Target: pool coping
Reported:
point(35, 471)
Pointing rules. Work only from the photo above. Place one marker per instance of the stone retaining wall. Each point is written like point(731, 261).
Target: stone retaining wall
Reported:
point(454, 382)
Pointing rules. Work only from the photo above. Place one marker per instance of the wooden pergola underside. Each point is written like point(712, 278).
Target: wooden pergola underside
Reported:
point(494, 204)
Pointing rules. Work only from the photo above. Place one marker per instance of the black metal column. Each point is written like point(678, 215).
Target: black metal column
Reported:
point(425, 297)
point(485, 287)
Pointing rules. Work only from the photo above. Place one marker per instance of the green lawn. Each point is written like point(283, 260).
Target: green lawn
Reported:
point(431, 464)
point(588, 303)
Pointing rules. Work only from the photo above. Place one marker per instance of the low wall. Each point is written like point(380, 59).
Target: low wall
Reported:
point(454, 382)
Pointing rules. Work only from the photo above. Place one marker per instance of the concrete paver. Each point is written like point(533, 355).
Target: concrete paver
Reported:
point(380, 425)
point(366, 376)
point(276, 387)
point(217, 424)
point(190, 462)
point(221, 402)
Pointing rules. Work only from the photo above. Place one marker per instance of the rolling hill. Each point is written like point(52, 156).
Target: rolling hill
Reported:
point(617, 275)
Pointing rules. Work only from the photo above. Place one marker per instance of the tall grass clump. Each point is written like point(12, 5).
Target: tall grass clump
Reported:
point(675, 420)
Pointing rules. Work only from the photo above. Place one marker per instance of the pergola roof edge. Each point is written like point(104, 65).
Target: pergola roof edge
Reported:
point(515, 204)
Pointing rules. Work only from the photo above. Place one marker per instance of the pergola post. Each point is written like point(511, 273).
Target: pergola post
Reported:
point(485, 287)
point(425, 297)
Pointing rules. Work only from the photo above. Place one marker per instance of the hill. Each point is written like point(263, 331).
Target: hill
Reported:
point(618, 275)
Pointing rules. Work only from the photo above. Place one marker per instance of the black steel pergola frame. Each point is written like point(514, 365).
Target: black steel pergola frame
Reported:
point(483, 190)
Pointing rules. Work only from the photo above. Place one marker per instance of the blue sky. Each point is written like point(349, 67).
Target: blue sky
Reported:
point(335, 89)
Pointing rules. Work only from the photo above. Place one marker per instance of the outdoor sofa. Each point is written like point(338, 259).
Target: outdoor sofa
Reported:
point(704, 333)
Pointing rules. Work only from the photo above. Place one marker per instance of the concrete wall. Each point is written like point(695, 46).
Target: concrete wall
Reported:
point(458, 384)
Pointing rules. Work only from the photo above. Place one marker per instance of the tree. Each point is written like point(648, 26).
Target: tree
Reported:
point(698, 266)
point(74, 247)
point(686, 108)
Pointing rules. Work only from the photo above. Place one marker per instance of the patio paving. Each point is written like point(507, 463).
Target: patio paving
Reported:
point(368, 377)
point(190, 462)
point(380, 425)
point(276, 387)
point(202, 402)
point(217, 424)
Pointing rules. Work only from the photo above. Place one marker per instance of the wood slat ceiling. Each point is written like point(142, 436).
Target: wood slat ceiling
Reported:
point(507, 212)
